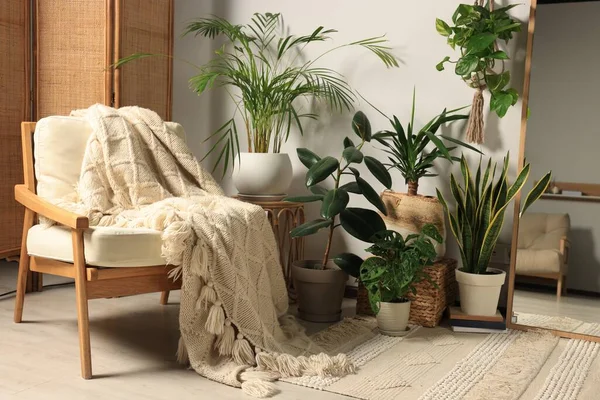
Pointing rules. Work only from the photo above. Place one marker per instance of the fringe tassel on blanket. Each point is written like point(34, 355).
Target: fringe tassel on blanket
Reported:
point(182, 354)
point(475, 125)
point(319, 364)
point(225, 341)
point(259, 383)
point(242, 351)
point(207, 296)
point(215, 323)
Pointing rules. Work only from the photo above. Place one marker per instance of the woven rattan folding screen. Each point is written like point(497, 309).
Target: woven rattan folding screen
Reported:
point(74, 44)
point(14, 108)
point(78, 40)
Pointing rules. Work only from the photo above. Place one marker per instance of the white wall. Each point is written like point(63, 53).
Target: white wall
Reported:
point(563, 134)
point(410, 27)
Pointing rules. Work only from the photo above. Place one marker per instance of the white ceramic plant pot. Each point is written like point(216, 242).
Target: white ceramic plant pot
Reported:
point(479, 293)
point(392, 318)
point(263, 174)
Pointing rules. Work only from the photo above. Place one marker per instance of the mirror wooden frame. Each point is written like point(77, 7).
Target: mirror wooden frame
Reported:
point(521, 161)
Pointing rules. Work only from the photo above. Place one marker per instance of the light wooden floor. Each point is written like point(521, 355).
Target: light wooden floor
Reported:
point(133, 344)
point(583, 308)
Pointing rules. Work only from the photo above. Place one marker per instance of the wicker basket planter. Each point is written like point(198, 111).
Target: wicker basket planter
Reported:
point(428, 305)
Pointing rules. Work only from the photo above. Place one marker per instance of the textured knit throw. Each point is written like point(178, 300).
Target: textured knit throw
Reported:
point(234, 328)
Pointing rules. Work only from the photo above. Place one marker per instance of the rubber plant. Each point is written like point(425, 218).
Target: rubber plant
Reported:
point(481, 201)
point(408, 151)
point(361, 223)
point(398, 264)
point(476, 31)
point(266, 77)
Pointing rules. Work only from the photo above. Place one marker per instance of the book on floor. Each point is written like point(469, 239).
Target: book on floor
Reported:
point(461, 322)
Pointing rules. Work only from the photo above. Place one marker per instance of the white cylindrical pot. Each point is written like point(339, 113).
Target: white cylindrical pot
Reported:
point(392, 318)
point(479, 293)
point(263, 174)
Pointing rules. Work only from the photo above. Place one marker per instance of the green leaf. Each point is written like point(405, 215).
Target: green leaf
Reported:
point(536, 192)
point(321, 170)
point(307, 157)
point(361, 126)
point(466, 65)
point(497, 82)
point(334, 202)
point(310, 227)
point(499, 55)
point(304, 199)
point(371, 195)
point(440, 65)
point(361, 223)
point(348, 142)
point(352, 155)
point(500, 102)
point(480, 42)
point(350, 263)
point(442, 27)
point(439, 144)
point(354, 171)
point(351, 187)
point(316, 189)
point(379, 171)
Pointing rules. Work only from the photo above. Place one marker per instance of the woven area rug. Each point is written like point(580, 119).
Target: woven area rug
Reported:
point(432, 364)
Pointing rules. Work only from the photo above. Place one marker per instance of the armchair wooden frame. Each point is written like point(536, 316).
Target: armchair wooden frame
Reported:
point(90, 282)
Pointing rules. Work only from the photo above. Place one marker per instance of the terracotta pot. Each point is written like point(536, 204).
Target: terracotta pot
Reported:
point(392, 318)
point(407, 214)
point(479, 293)
point(319, 291)
point(263, 174)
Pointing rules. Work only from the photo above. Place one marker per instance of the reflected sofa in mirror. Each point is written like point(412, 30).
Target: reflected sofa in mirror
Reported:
point(555, 273)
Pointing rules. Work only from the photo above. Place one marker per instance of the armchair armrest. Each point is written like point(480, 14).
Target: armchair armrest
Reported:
point(44, 208)
point(565, 246)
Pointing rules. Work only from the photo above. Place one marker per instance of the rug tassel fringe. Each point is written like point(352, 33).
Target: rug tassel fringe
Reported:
point(475, 125)
point(259, 388)
point(319, 364)
point(242, 352)
point(225, 341)
point(182, 354)
point(215, 323)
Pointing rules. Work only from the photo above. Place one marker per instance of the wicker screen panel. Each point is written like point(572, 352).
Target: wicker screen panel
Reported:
point(145, 26)
point(14, 108)
point(72, 54)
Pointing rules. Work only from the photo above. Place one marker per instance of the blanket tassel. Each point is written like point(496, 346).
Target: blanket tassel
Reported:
point(225, 341)
point(242, 352)
point(215, 323)
point(182, 354)
point(207, 296)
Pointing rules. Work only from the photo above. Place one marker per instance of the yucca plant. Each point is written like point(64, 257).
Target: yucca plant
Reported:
point(271, 77)
point(408, 151)
point(481, 201)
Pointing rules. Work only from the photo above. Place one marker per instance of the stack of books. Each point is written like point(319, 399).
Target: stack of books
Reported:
point(461, 322)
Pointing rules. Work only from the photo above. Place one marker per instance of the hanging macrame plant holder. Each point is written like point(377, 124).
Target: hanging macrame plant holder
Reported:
point(475, 126)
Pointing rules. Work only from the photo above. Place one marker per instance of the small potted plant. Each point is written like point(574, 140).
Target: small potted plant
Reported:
point(481, 201)
point(476, 32)
point(398, 264)
point(270, 86)
point(413, 153)
point(320, 284)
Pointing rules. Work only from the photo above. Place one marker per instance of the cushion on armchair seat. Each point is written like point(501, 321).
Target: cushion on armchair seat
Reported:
point(538, 261)
point(103, 246)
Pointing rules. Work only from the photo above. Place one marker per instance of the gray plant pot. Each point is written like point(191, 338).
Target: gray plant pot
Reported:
point(319, 291)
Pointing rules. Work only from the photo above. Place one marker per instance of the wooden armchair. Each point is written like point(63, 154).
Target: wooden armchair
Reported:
point(105, 262)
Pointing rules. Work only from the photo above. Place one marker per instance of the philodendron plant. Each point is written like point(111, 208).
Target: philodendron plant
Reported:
point(398, 265)
point(407, 150)
point(361, 223)
point(476, 32)
point(481, 201)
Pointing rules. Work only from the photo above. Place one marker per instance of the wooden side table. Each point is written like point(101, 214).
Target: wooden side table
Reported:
point(284, 216)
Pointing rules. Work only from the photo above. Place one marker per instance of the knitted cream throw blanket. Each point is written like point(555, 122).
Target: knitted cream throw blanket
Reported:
point(137, 173)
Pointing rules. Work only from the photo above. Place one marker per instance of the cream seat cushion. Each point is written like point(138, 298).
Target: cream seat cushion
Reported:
point(103, 246)
point(59, 147)
point(538, 261)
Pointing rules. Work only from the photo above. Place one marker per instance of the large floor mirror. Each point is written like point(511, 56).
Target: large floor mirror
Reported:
point(556, 271)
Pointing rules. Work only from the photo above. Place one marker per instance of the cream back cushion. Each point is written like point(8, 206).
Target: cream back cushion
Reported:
point(58, 148)
point(540, 231)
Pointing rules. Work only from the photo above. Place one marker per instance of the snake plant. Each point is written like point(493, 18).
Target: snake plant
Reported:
point(481, 201)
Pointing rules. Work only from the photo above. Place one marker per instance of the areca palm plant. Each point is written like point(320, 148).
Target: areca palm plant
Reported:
point(267, 69)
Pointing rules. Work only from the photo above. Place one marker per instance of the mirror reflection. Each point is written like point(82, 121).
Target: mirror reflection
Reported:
point(557, 279)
